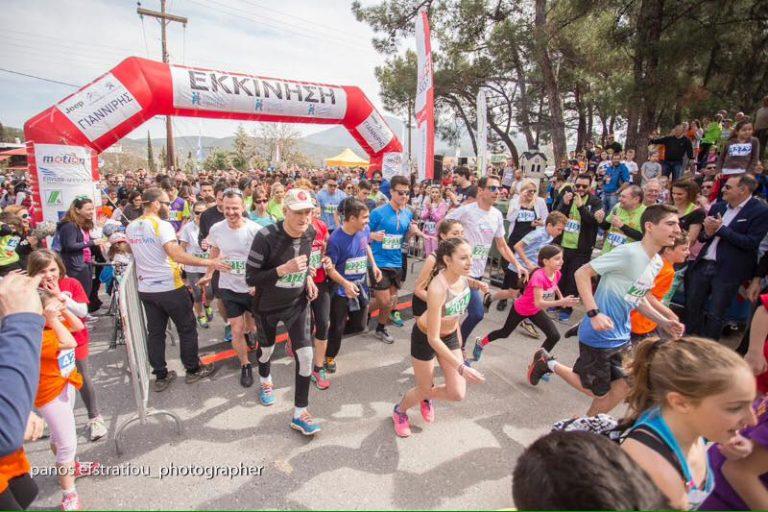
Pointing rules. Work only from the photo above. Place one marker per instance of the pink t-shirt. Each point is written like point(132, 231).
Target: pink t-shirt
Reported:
point(525, 305)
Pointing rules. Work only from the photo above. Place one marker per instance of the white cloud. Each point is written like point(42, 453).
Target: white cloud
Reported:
point(77, 40)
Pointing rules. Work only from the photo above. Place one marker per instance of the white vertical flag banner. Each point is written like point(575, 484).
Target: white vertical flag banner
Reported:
point(482, 134)
point(425, 100)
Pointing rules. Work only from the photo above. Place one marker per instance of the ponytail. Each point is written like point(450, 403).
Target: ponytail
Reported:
point(640, 397)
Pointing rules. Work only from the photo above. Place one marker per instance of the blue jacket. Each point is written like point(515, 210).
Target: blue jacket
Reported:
point(736, 256)
point(619, 175)
point(21, 336)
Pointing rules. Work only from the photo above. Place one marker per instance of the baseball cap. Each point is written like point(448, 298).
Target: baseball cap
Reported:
point(117, 237)
point(298, 199)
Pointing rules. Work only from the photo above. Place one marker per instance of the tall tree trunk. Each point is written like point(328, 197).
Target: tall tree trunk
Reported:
point(612, 123)
point(457, 104)
point(557, 124)
point(650, 26)
point(522, 84)
point(590, 120)
point(581, 129)
point(504, 136)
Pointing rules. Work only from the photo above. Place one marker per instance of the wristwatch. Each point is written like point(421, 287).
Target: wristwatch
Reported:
point(593, 313)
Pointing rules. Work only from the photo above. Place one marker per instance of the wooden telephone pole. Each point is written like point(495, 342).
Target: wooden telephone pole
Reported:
point(164, 18)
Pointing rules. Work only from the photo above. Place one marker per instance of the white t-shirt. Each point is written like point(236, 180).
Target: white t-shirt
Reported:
point(234, 246)
point(188, 233)
point(631, 166)
point(156, 272)
point(481, 227)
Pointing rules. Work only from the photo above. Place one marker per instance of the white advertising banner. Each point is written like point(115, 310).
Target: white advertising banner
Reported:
point(425, 105)
point(375, 131)
point(219, 91)
point(393, 164)
point(100, 107)
point(63, 173)
point(482, 134)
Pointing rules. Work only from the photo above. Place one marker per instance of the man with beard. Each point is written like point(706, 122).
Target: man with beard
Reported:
point(157, 257)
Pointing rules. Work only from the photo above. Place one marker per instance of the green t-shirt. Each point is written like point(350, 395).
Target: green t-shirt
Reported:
point(572, 228)
point(616, 237)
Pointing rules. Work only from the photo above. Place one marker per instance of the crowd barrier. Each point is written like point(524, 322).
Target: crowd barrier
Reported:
point(135, 332)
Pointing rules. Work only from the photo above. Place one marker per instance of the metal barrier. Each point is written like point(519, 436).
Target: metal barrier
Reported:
point(135, 332)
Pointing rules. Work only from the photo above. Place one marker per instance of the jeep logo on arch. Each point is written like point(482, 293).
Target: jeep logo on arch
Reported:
point(63, 165)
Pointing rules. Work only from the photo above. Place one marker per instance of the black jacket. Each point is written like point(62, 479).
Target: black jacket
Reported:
point(588, 232)
point(72, 245)
point(675, 148)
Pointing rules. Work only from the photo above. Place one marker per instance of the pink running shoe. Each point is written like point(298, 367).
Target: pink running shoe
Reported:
point(428, 411)
point(402, 427)
point(71, 501)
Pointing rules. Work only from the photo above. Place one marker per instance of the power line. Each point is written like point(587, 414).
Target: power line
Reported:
point(39, 78)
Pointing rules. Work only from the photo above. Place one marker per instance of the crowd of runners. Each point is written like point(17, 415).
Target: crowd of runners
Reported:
point(664, 257)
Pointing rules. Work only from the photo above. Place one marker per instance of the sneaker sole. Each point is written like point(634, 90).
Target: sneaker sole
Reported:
point(298, 428)
point(321, 388)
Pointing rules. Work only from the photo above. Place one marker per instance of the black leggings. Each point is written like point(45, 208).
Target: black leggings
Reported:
point(19, 494)
point(540, 320)
point(339, 313)
point(296, 321)
point(320, 310)
point(87, 392)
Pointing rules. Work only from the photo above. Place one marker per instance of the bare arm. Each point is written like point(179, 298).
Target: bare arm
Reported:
point(420, 289)
point(177, 254)
point(744, 477)
point(506, 252)
point(66, 340)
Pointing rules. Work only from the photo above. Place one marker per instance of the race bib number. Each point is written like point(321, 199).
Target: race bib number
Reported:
point(458, 305)
point(13, 242)
point(295, 280)
point(617, 239)
point(329, 209)
point(392, 242)
point(175, 215)
point(480, 252)
point(356, 266)
point(740, 149)
point(315, 258)
point(66, 362)
point(429, 226)
point(526, 216)
point(201, 255)
point(548, 295)
point(237, 266)
point(573, 226)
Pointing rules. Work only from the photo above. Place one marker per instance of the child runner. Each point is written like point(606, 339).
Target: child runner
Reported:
point(540, 293)
point(56, 393)
point(437, 333)
point(203, 295)
point(685, 392)
point(626, 275)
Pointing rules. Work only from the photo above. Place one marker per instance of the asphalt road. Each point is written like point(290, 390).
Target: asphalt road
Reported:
point(462, 461)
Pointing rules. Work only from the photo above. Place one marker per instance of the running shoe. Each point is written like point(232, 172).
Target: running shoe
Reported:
point(71, 501)
point(227, 333)
point(87, 468)
point(96, 428)
point(396, 318)
point(205, 370)
point(464, 357)
point(321, 379)
point(529, 329)
point(265, 394)
point(572, 331)
point(539, 367)
point(246, 376)
point(564, 317)
point(400, 419)
point(161, 385)
point(288, 348)
point(487, 299)
point(383, 335)
point(209, 312)
point(477, 352)
point(330, 365)
point(202, 321)
point(502, 305)
point(428, 411)
point(305, 425)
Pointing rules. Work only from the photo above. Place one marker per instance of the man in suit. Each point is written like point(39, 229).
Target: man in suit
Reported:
point(732, 233)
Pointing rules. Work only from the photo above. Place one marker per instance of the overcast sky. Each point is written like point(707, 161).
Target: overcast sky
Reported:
point(74, 41)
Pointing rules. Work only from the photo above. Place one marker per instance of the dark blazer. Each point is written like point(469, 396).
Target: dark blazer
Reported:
point(72, 245)
point(736, 256)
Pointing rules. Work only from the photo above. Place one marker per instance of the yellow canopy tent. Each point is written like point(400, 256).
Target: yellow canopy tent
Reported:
point(346, 158)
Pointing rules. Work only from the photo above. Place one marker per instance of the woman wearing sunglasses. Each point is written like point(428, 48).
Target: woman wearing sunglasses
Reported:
point(258, 212)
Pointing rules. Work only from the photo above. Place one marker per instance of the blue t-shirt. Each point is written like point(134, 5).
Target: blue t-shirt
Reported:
point(615, 177)
point(533, 242)
point(329, 203)
point(348, 255)
point(387, 253)
point(261, 221)
point(626, 276)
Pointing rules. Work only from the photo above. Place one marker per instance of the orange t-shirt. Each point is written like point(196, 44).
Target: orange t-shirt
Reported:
point(661, 286)
point(57, 369)
point(11, 466)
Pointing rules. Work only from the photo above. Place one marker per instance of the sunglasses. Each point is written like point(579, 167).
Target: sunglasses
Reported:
point(235, 191)
point(24, 215)
point(581, 187)
point(332, 185)
point(260, 201)
point(199, 213)
point(493, 188)
point(402, 192)
point(166, 203)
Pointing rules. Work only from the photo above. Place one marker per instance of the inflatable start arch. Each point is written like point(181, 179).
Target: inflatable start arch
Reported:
point(64, 141)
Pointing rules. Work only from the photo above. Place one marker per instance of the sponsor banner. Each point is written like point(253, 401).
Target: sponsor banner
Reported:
point(100, 107)
point(63, 174)
point(219, 91)
point(393, 164)
point(375, 131)
point(425, 104)
point(482, 133)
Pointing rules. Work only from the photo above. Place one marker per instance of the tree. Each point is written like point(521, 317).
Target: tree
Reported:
point(242, 149)
point(218, 159)
point(163, 158)
point(270, 136)
point(150, 155)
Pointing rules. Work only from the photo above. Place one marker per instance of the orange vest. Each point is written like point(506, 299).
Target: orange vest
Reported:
point(56, 369)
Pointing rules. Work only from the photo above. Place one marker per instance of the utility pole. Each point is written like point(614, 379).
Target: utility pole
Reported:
point(164, 18)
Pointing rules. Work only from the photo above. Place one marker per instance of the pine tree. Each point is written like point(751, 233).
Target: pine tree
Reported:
point(150, 155)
